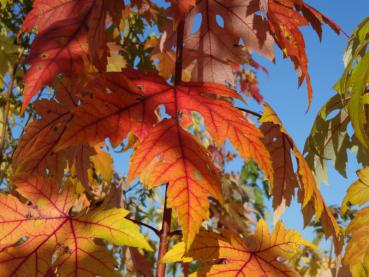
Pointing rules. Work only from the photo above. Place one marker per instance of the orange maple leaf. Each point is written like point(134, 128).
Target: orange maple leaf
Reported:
point(172, 155)
point(284, 21)
point(35, 151)
point(43, 235)
point(119, 107)
point(58, 49)
point(68, 32)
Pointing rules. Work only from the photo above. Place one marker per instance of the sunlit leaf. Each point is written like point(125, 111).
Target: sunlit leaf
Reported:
point(54, 238)
point(260, 254)
point(282, 149)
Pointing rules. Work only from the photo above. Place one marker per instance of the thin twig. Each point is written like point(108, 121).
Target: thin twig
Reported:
point(156, 231)
point(258, 115)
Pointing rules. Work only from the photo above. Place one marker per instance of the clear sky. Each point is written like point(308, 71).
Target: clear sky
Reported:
point(279, 88)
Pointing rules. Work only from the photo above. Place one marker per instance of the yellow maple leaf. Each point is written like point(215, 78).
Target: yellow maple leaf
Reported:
point(262, 254)
point(358, 193)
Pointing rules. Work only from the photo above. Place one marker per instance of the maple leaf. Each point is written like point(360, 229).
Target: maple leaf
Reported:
point(317, 19)
point(9, 53)
point(354, 81)
point(328, 139)
point(115, 61)
point(260, 254)
point(138, 263)
point(103, 163)
point(248, 83)
point(358, 192)
point(213, 49)
point(45, 13)
point(35, 151)
point(357, 251)
point(171, 155)
point(286, 180)
point(284, 22)
point(119, 108)
point(64, 242)
point(180, 8)
point(166, 60)
point(58, 49)
point(122, 108)
point(68, 31)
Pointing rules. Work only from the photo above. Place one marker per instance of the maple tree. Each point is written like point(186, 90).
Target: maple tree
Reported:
point(91, 82)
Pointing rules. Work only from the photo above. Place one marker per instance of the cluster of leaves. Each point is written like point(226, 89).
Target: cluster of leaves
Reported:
point(172, 100)
point(330, 139)
point(330, 136)
point(12, 51)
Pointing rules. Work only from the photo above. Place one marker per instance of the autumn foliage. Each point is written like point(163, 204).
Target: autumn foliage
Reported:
point(175, 102)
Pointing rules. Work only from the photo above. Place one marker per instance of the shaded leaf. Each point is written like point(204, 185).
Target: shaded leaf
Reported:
point(354, 81)
point(179, 8)
point(8, 56)
point(213, 49)
point(328, 139)
point(35, 152)
point(58, 49)
point(69, 31)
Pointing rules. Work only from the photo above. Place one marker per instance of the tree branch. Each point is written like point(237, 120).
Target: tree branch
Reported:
point(167, 215)
point(179, 53)
point(164, 237)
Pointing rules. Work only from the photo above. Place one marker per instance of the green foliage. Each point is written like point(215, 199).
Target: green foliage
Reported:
point(330, 136)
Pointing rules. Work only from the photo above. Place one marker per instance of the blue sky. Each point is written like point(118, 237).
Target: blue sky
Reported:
point(279, 88)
